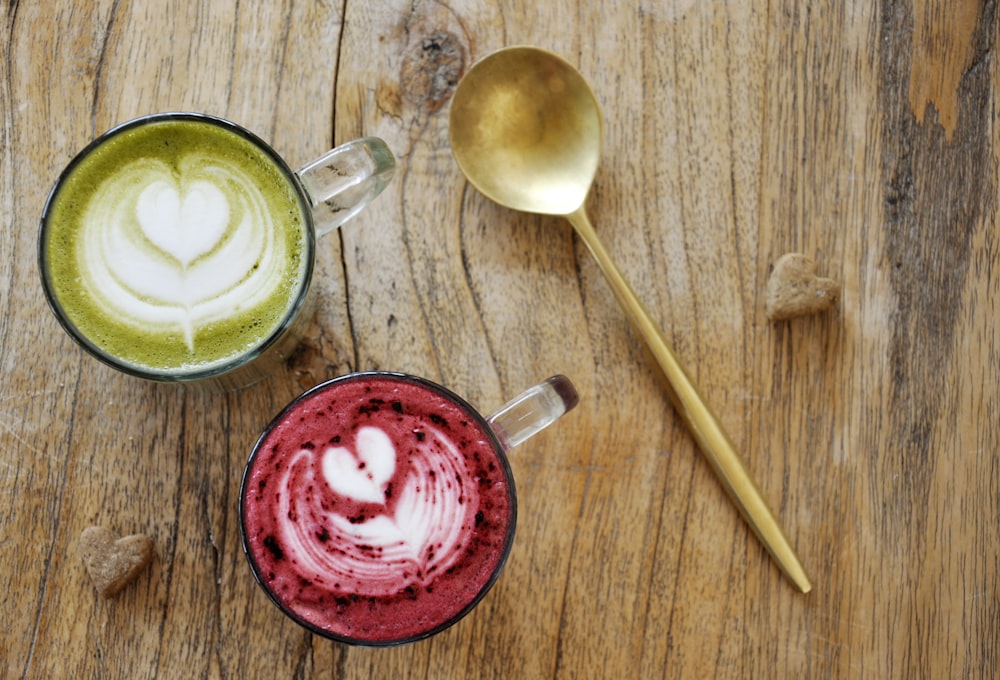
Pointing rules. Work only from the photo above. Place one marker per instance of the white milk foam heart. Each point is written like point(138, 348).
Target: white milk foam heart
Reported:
point(185, 227)
point(169, 251)
point(363, 477)
point(407, 534)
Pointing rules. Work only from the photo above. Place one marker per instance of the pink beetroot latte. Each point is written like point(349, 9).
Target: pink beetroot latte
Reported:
point(377, 509)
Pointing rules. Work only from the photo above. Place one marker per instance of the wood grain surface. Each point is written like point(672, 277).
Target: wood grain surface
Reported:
point(864, 135)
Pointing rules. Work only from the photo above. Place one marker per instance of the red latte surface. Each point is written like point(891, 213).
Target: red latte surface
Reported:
point(375, 509)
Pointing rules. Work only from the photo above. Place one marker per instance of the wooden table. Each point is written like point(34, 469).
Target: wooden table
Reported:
point(862, 134)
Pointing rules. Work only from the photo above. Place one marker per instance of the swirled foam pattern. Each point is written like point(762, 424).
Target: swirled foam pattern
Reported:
point(176, 245)
point(376, 510)
point(384, 548)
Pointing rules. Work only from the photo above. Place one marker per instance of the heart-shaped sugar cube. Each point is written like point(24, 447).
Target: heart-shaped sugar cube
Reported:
point(794, 289)
point(361, 476)
point(113, 563)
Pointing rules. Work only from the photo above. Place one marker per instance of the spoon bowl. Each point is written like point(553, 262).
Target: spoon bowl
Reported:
point(526, 130)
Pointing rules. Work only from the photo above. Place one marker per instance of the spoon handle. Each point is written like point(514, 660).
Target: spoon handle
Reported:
point(703, 424)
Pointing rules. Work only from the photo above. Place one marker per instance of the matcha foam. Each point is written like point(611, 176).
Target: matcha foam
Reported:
point(176, 245)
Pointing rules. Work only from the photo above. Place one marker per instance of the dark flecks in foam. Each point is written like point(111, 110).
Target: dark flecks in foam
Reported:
point(343, 601)
point(421, 436)
point(271, 543)
point(374, 405)
point(397, 406)
point(308, 446)
point(323, 535)
point(335, 439)
point(438, 420)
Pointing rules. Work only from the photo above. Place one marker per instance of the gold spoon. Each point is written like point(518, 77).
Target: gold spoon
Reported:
point(526, 130)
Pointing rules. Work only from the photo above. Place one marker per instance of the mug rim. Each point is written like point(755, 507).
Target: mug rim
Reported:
point(498, 449)
point(178, 374)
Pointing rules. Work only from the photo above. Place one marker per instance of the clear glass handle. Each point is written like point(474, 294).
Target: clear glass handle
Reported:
point(533, 411)
point(343, 181)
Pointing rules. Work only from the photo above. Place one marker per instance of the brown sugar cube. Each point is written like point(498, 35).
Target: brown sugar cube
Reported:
point(113, 563)
point(794, 289)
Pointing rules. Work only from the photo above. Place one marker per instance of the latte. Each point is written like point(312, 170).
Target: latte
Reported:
point(175, 246)
point(377, 509)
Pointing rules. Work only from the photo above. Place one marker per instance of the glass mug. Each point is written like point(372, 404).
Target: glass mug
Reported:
point(179, 247)
point(379, 508)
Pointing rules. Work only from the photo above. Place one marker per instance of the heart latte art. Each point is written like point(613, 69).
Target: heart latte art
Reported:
point(177, 251)
point(376, 509)
point(176, 244)
point(371, 532)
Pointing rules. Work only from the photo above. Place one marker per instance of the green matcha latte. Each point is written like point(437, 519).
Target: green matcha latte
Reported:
point(175, 246)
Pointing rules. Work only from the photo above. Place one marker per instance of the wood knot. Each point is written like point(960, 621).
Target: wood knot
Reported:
point(431, 70)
